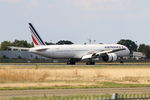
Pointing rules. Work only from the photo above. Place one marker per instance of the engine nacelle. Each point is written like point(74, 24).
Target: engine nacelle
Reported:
point(109, 57)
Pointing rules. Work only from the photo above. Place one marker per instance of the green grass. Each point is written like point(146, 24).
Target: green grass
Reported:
point(99, 85)
point(121, 85)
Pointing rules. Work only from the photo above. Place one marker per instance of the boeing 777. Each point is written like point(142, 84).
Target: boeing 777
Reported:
point(74, 53)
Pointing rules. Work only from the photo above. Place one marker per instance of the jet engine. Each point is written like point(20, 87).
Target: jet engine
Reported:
point(109, 57)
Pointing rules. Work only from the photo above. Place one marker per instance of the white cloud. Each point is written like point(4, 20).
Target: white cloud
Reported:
point(34, 3)
point(10, 1)
point(100, 4)
point(29, 3)
point(138, 16)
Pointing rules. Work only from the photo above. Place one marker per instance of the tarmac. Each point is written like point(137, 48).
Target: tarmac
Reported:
point(71, 92)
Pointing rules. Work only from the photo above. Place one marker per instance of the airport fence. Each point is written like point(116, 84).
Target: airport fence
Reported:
point(105, 97)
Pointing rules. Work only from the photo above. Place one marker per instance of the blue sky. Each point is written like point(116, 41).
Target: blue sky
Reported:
point(106, 21)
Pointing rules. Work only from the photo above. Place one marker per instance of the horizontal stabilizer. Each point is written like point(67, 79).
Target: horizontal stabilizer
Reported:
point(18, 48)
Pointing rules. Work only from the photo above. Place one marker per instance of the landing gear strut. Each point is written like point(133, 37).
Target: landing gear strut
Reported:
point(71, 62)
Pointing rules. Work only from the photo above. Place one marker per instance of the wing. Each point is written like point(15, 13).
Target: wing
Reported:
point(96, 54)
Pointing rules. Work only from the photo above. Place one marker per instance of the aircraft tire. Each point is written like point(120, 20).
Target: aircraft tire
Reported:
point(121, 62)
point(71, 63)
point(90, 63)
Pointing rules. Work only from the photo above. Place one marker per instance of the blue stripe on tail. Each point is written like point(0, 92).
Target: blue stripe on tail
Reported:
point(34, 32)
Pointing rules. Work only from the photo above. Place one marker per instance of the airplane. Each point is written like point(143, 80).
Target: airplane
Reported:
point(75, 53)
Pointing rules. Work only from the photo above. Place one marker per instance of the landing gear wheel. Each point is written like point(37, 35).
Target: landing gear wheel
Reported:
point(90, 63)
point(121, 62)
point(71, 62)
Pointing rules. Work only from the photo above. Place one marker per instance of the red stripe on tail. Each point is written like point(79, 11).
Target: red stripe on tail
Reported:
point(34, 41)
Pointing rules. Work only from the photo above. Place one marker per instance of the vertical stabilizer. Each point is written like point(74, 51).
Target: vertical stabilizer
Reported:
point(37, 40)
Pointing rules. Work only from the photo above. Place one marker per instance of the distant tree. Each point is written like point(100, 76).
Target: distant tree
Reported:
point(142, 47)
point(5, 44)
point(16, 43)
point(132, 46)
point(32, 44)
point(61, 42)
point(145, 49)
point(22, 43)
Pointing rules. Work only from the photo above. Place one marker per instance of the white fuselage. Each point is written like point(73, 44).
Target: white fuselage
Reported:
point(77, 51)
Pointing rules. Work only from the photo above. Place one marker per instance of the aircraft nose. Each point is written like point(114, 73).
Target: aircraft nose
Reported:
point(128, 51)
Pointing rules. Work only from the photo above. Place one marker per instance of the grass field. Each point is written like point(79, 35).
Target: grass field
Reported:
point(40, 76)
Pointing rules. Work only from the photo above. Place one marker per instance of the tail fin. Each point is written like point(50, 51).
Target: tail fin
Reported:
point(35, 36)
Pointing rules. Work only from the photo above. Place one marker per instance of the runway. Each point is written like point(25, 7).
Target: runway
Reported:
point(78, 64)
point(71, 92)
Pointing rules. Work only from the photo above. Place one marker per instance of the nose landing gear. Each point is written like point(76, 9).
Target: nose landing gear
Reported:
point(71, 62)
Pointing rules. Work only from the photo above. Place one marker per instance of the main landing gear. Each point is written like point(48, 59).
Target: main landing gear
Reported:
point(73, 62)
point(90, 62)
point(121, 62)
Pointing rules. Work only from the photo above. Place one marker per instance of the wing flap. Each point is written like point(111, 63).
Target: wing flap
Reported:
point(87, 56)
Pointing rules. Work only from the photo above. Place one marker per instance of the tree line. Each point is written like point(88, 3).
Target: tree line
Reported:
point(24, 43)
point(132, 46)
point(16, 43)
point(145, 49)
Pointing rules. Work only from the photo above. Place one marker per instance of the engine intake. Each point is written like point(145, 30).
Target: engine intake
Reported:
point(109, 57)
